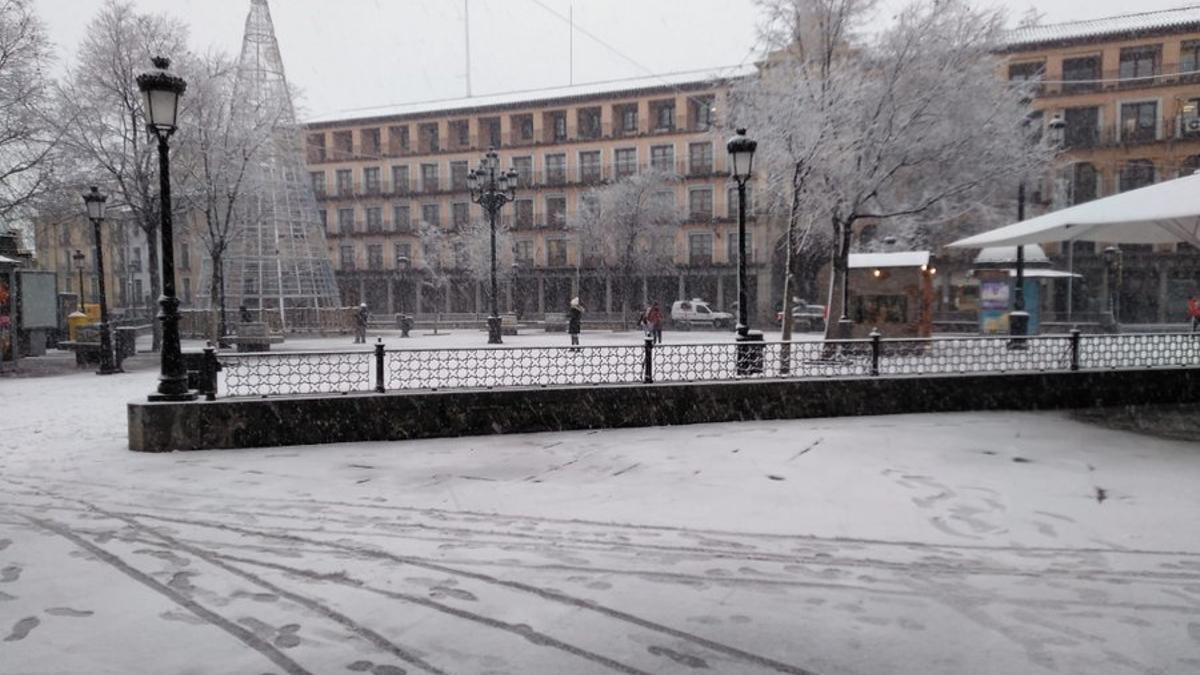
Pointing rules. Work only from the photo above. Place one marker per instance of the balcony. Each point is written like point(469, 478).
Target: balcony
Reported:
point(1111, 80)
point(1175, 129)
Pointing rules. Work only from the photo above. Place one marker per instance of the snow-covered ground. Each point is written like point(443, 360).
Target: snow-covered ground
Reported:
point(958, 543)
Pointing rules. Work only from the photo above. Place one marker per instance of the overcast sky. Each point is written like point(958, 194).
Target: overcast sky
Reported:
point(347, 54)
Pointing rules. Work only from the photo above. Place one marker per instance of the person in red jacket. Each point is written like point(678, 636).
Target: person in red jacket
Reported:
point(1194, 311)
point(654, 319)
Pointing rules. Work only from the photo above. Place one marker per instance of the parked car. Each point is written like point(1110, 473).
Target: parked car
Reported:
point(805, 317)
point(687, 314)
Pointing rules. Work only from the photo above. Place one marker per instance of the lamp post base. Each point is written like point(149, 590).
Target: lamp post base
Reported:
point(750, 353)
point(493, 323)
point(844, 330)
point(1018, 329)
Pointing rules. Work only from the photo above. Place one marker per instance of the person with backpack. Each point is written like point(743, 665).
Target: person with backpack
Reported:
point(574, 321)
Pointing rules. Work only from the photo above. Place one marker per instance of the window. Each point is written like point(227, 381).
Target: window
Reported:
point(1085, 183)
point(1189, 117)
point(524, 168)
point(523, 127)
point(1083, 127)
point(1139, 122)
point(556, 252)
point(371, 179)
point(460, 214)
point(1081, 74)
point(523, 251)
point(316, 147)
point(589, 123)
point(185, 256)
point(431, 214)
point(700, 204)
point(343, 145)
point(428, 137)
point(556, 169)
point(429, 178)
point(347, 254)
point(702, 113)
point(346, 221)
point(1136, 173)
point(460, 133)
point(625, 161)
point(318, 183)
point(558, 125)
point(1190, 166)
point(1140, 63)
point(556, 211)
point(1189, 60)
point(369, 145)
point(398, 140)
point(627, 117)
point(187, 290)
point(1026, 72)
point(589, 167)
point(700, 159)
point(374, 219)
point(323, 216)
point(400, 179)
point(345, 183)
point(401, 217)
point(700, 248)
point(374, 256)
point(458, 175)
point(662, 157)
point(403, 254)
point(731, 249)
point(523, 213)
point(489, 128)
point(664, 115)
point(731, 203)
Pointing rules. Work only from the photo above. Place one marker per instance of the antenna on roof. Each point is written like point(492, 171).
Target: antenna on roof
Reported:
point(467, 40)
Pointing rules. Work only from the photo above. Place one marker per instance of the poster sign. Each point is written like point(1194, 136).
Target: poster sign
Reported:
point(39, 299)
point(994, 298)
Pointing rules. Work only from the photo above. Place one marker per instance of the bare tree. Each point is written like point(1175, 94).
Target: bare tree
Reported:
point(224, 140)
point(910, 130)
point(626, 230)
point(106, 129)
point(26, 136)
point(472, 245)
point(437, 261)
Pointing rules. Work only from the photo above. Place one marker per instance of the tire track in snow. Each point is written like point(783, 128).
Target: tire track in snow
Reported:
point(245, 636)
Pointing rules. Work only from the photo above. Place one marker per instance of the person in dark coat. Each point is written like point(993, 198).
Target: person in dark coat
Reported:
point(574, 319)
point(246, 316)
point(360, 323)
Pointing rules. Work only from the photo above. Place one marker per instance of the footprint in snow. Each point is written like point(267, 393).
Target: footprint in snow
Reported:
point(21, 628)
point(10, 573)
point(67, 611)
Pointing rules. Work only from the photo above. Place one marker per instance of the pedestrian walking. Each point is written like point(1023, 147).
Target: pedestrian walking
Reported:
point(245, 314)
point(360, 323)
point(1194, 311)
point(574, 319)
point(654, 319)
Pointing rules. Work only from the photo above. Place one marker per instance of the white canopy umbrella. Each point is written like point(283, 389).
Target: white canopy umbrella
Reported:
point(1163, 213)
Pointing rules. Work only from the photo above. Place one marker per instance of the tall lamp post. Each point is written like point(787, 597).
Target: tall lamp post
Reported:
point(79, 259)
point(1018, 319)
point(94, 201)
point(741, 158)
point(1112, 285)
point(161, 91)
point(492, 188)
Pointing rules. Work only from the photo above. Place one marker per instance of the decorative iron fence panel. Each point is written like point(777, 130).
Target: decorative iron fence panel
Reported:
point(1144, 350)
point(296, 373)
point(702, 362)
point(946, 356)
point(513, 367)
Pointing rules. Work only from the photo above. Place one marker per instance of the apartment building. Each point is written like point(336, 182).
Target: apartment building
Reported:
point(378, 177)
point(1128, 88)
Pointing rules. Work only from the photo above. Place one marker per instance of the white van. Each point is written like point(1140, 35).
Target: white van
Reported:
point(687, 314)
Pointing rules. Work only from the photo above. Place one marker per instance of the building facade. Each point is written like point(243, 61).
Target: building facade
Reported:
point(378, 179)
point(1128, 89)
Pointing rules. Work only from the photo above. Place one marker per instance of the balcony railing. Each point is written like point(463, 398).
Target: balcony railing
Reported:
point(1170, 130)
point(1111, 80)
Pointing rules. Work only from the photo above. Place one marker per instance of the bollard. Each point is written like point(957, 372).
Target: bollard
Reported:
point(1074, 348)
point(379, 365)
point(209, 372)
point(648, 360)
point(876, 348)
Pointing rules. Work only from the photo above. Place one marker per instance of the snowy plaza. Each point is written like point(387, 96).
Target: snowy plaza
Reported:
point(952, 543)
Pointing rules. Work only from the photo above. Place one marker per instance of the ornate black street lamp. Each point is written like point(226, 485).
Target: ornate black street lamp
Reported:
point(741, 159)
point(492, 188)
point(161, 91)
point(80, 263)
point(94, 200)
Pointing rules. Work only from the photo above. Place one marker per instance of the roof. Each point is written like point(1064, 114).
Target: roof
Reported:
point(899, 259)
point(692, 78)
point(1006, 255)
point(1124, 24)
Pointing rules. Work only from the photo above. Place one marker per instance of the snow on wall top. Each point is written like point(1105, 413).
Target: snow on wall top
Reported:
point(1112, 25)
point(898, 259)
point(529, 96)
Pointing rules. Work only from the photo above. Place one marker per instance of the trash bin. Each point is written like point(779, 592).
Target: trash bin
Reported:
point(75, 320)
point(126, 342)
point(750, 353)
